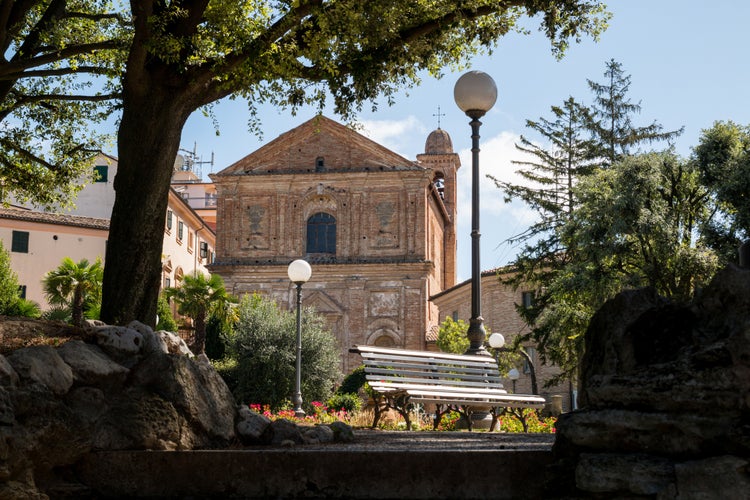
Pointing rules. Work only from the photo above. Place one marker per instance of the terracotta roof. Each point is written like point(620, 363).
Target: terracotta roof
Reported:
point(58, 219)
point(296, 150)
point(432, 333)
point(438, 142)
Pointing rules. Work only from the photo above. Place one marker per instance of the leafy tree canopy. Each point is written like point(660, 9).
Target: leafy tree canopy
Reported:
point(187, 55)
point(59, 75)
point(452, 336)
point(723, 157)
point(637, 224)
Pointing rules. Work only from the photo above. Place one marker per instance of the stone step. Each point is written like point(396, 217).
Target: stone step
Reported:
point(337, 472)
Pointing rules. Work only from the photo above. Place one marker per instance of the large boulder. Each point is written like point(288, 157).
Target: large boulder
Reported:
point(664, 392)
point(117, 388)
point(125, 391)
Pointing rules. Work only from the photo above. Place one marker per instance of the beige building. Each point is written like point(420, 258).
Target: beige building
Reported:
point(38, 241)
point(199, 195)
point(377, 229)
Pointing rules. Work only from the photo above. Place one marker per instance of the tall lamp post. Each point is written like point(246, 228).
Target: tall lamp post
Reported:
point(299, 272)
point(475, 93)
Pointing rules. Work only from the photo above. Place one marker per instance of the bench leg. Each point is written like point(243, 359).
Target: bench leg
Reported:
point(468, 414)
point(380, 406)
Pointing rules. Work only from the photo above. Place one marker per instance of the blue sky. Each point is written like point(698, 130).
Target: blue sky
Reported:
point(688, 62)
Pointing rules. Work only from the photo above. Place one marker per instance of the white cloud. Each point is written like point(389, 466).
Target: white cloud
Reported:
point(498, 220)
point(405, 136)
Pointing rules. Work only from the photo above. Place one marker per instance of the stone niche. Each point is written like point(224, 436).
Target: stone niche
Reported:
point(665, 399)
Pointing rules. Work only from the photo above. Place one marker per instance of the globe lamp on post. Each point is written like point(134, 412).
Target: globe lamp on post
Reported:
point(513, 375)
point(475, 93)
point(299, 272)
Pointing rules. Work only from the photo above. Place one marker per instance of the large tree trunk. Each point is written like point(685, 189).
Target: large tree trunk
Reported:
point(148, 141)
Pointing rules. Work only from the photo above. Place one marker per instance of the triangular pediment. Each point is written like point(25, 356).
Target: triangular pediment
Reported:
point(319, 145)
point(322, 303)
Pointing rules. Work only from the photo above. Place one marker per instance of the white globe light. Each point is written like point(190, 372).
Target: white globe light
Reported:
point(497, 340)
point(299, 271)
point(513, 374)
point(475, 92)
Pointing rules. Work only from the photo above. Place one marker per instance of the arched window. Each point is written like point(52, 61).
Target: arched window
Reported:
point(321, 233)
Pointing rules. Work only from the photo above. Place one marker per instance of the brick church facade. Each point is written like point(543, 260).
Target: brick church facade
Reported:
point(378, 230)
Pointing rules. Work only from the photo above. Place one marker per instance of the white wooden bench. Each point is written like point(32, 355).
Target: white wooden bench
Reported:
point(465, 383)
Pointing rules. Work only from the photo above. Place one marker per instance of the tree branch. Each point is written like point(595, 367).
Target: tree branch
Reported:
point(18, 65)
point(43, 73)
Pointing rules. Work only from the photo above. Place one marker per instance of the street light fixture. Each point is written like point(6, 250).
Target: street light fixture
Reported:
point(299, 272)
point(513, 375)
point(475, 93)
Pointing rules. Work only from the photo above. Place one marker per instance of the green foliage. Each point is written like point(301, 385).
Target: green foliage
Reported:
point(610, 119)
point(525, 420)
point(449, 421)
point(635, 226)
point(200, 296)
point(452, 336)
point(24, 308)
point(57, 313)
point(217, 334)
point(76, 285)
point(8, 284)
point(336, 55)
point(164, 313)
point(264, 345)
point(723, 158)
point(353, 382)
point(347, 402)
point(60, 69)
point(594, 236)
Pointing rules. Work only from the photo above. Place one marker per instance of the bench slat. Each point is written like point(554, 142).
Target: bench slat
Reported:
point(481, 363)
point(465, 402)
point(452, 389)
point(467, 358)
point(432, 374)
point(395, 381)
point(430, 368)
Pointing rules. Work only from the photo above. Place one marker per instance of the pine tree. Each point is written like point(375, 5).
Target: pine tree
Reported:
point(610, 119)
point(550, 174)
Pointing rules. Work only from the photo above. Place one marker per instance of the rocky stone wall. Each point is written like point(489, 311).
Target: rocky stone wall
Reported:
point(118, 388)
point(665, 399)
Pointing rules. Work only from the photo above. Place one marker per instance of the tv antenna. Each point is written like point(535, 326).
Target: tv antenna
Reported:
point(189, 161)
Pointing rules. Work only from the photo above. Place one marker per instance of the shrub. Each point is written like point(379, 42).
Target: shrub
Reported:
point(216, 338)
point(164, 314)
point(8, 284)
point(347, 402)
point(264, 345)
point(514, 420)
point(353, 382)
point(24, 308)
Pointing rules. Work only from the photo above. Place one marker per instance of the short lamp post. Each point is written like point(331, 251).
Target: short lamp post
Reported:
point(475, 93)
point(513, 375)
point(497, 342)
point(299, 272)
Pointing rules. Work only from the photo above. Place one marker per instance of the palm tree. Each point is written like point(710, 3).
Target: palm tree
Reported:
point(198, 297)
point(76, 285)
